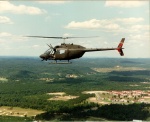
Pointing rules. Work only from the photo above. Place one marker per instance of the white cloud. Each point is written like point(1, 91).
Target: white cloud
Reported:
point(139, 28)
point(93, 24)
point(147, 11)
point(106, 43)
point(121, 12)
point(130, 20)
point(35, 46)
point(5, 20)
point(67, 35)
point(5, 34)
point(125, 4)
point(48, 18)
point(112, 26)
point(12, 37)
point(6, 6)
point(86, 24)
point(106, 24)
point(137, 45)
point(138, 40)
point(52, 2)
point(143, 37)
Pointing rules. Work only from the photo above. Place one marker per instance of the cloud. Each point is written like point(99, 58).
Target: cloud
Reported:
point(139, 28)
point(52, 2)
point(121, 12)
point(67, 34)
point(86, 24)
point(147, 11)
point(106, 24)
point(124, 4)
point(35, 46)
point(137, 45)
point(130, 20)
point(143, 37)
point(137, 40)
point(93, 24)
point(5, 34)
point(12, 37)
point(6, 6)
point(5, 20)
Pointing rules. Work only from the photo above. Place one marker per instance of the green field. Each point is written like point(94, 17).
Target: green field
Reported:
point(26, 81)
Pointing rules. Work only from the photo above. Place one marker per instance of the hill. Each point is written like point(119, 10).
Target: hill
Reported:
point(25, 82)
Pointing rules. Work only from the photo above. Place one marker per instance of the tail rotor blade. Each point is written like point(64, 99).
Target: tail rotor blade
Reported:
point(119, 48)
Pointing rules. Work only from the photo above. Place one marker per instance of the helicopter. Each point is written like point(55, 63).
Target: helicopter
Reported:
point(71, 51)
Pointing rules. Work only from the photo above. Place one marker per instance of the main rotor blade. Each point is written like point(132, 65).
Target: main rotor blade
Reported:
point(45, 37)
point(60, 37)
point(84, 37)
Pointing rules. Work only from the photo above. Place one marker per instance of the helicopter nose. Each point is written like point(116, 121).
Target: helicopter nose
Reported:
point(42, 56)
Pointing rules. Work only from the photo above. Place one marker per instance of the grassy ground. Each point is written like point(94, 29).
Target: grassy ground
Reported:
point(18, 112)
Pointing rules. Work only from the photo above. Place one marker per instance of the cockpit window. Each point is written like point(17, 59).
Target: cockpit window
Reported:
point(62, 51)
point(58, 51)
point(49, 51)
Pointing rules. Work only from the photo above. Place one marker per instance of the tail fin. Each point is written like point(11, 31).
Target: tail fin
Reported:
point(119, 48)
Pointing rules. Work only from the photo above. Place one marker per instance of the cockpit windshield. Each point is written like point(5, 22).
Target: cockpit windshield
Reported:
point(49, 51)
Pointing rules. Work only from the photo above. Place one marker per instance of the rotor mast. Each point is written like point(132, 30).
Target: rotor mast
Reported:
point(64, 40)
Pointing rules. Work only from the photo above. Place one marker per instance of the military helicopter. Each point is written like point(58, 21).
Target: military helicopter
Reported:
point(71, 51)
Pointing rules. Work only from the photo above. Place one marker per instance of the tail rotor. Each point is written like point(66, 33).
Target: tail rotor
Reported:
point(119, 48)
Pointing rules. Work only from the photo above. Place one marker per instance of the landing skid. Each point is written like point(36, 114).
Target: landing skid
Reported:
point(60, 63)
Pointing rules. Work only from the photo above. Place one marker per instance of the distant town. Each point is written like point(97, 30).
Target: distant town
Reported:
point(119, 97)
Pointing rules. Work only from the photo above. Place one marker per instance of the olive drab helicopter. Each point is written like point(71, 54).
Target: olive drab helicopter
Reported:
point(71, 51)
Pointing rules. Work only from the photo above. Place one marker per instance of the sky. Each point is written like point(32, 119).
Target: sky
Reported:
point(108, 20)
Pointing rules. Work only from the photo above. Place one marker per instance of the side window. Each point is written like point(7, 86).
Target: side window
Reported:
point(62, 51)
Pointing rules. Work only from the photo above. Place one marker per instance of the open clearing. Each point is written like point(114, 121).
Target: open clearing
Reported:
point(2, 79)
point(19, 112)
point(117, 68)
point(57, 93)
point(61, 96)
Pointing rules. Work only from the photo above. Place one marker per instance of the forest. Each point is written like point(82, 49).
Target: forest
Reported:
point(25, 82)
